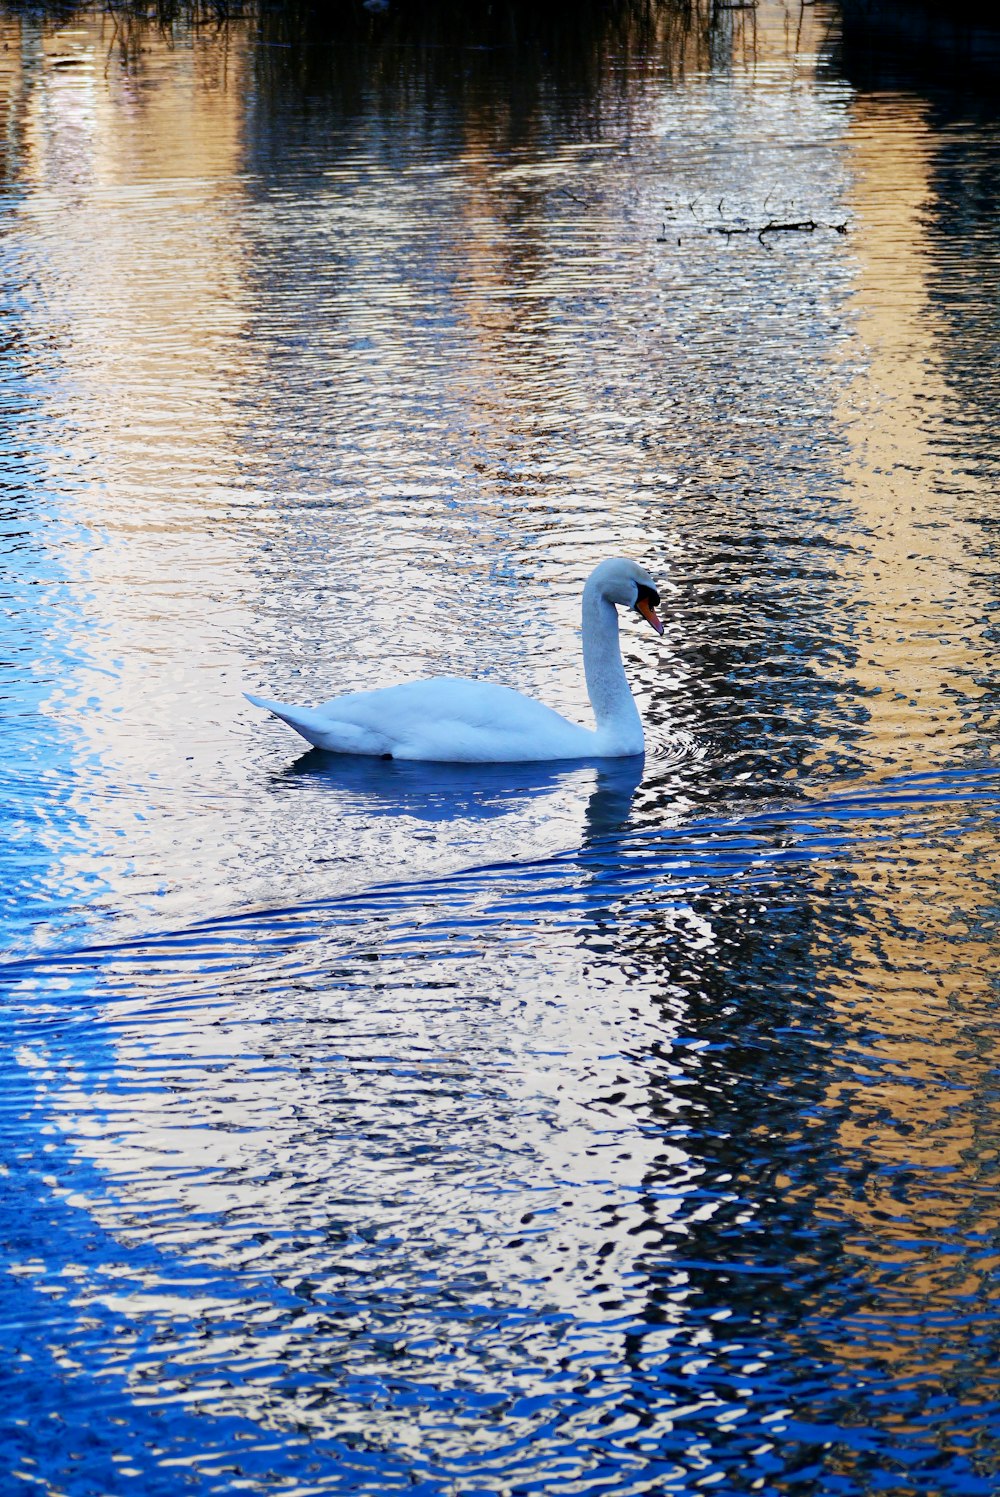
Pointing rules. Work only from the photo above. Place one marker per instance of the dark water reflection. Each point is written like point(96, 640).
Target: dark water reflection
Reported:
point(538, 1129)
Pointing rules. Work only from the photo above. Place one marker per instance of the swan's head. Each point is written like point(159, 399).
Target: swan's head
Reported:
point(629, 585)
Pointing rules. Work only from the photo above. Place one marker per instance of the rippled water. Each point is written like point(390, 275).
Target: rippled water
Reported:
point(527, 1130)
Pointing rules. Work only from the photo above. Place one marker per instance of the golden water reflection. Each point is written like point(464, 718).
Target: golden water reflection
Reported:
point(915, 991)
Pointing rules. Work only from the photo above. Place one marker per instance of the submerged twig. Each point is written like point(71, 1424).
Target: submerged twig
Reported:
point(802, 226)
point(799, 226)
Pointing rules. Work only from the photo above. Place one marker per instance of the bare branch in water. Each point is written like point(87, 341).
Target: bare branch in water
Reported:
point(800, 226)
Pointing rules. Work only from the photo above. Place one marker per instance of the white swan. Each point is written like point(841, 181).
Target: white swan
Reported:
point(451, 719)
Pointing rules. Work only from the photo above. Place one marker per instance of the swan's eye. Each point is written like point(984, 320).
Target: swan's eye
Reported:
point(647, 595)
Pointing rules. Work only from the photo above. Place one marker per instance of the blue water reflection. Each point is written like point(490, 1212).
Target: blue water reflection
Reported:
point(292, 1160)
point(445, 792)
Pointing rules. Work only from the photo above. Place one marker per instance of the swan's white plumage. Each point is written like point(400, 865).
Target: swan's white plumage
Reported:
point(446, 718)
point(453, 719)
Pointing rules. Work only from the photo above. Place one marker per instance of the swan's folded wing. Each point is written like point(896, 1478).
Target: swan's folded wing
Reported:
point(445, 719)
point(454, 719)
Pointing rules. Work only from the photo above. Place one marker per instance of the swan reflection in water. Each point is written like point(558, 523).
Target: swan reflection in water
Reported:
point(474, 792)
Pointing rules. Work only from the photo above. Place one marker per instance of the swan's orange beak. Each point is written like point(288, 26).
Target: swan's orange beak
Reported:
point(649, 614)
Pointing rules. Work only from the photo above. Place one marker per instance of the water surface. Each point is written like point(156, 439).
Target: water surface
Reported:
point(537, 1129)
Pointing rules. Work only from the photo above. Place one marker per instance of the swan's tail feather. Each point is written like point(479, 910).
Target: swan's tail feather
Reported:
point(303, 719)
point(323, 732)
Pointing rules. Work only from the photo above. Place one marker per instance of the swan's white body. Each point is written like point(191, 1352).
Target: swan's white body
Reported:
point(452, 719)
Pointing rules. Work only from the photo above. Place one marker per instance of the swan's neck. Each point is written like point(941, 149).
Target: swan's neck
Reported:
point(615, 712)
